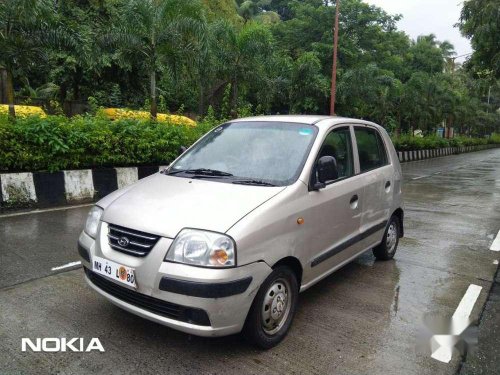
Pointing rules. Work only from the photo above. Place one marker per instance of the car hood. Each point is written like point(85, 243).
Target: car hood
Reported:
point(163, 205)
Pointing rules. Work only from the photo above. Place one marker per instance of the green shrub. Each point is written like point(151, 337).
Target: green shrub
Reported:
point(409, 143)
point(56, 142)
point(494, 139)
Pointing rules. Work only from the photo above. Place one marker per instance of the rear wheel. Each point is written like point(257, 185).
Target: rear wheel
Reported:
point(389, 244)
point(273, 309)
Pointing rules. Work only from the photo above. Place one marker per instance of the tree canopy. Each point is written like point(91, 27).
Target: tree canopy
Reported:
point(480, 22)
point(250, 56)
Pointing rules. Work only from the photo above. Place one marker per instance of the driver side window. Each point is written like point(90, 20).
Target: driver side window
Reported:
point(338, 144)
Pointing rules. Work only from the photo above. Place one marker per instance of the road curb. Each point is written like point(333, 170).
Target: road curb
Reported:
point(50, 189)
point(413, 155)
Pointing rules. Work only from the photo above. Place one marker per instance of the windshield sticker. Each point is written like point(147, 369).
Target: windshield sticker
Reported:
point(305, 131)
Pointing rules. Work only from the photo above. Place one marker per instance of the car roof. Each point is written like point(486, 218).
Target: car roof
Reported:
point(305, 119)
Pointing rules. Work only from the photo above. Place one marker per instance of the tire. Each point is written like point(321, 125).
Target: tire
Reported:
point(280, 285)
point(390, 241)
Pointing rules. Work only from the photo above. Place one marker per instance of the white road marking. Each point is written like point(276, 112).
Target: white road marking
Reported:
point(495, 246)
point(468, 300)
point(419, 177)
point(443, 353)
point(72, 264)
point(45, 210)
point(495, 261)
point(464, 309)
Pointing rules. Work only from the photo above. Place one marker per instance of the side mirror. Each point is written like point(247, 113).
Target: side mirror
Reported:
point(326, 169)
point(182, 149)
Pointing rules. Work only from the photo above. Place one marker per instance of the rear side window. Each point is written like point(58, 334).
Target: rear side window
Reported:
point(371, 149)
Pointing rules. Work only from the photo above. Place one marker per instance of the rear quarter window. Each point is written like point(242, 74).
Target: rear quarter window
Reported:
point(371, 149)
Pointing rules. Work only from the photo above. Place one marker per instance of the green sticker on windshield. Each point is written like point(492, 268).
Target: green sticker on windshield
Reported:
point(305, 131)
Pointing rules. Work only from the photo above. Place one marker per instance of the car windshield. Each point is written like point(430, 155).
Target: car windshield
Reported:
point(253, 153)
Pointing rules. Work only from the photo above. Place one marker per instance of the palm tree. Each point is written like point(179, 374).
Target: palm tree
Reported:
point(158, 34)
point(448, 51)
point(18, 20)
point(241, 55)
point(27, 30)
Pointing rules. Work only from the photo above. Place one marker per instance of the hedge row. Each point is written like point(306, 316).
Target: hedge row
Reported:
point(57, 142)
point(409, 143)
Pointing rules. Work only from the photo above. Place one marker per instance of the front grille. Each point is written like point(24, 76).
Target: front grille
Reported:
point(131, 241)
point(154, 305)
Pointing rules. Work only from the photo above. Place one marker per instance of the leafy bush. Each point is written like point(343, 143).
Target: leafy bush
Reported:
point(57, 142)
point(23, 110)
point(124, 114)
point(408, 143)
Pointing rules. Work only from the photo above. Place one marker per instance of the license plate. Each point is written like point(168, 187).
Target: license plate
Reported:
point(115, 271)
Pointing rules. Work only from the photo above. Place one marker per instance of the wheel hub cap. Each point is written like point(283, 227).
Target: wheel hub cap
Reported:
point(392, 236)
point(275, 308)
point(278, 306)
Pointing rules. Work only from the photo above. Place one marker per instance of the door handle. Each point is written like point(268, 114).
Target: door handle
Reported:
point(354, 201)
point(388, 187)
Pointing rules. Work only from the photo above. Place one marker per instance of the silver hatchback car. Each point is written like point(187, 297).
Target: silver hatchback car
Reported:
point(256, 211)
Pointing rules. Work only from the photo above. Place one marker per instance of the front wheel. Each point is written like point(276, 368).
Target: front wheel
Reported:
point(389, 244)
point(273, 309)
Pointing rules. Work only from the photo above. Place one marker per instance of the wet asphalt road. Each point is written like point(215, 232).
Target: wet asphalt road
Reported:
point(362, 319)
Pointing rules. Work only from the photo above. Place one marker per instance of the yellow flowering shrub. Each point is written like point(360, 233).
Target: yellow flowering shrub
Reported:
point(23, 110)
point(121, 113)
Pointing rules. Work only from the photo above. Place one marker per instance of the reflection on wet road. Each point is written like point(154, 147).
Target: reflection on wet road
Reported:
point(362, 319)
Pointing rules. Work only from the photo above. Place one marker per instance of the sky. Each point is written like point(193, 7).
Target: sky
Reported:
point(428, 16)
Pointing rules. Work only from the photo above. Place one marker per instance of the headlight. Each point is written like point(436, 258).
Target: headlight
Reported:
point(92, 222)
point(202, 248)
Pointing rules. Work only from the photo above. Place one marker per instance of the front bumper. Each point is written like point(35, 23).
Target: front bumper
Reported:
point(224, 295)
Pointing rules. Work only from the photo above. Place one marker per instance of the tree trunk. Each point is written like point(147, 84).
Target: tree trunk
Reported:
point(63, 92)
point(9, 88)
point(3, 85)
point(234, 98)
point(398, 126)
point(154, 106)
point(201, 101)
point(76, 83)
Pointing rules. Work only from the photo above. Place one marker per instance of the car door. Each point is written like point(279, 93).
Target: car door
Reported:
point(378, 182)
point(335, 210)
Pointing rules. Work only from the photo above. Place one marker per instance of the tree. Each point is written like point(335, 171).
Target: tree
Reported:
point(273, 58)
point(222, 9)
point(480, 22)
point(371, 93)
point(240, 55)
point(425, 55)
point(248, 9)
point(26, 30)
point(81, 65)
point(157, 34)
point(309, 88)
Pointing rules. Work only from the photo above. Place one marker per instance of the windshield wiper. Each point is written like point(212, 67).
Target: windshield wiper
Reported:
point(252, 182)
point(203, 172)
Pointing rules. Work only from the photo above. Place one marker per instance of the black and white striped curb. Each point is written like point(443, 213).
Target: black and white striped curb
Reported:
point(46, 189)
point(405, 156)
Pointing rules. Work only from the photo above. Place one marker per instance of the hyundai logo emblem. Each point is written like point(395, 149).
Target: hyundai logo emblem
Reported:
point(123, 241)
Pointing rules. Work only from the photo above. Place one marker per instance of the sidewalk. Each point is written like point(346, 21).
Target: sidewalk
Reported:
point(487, 358)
